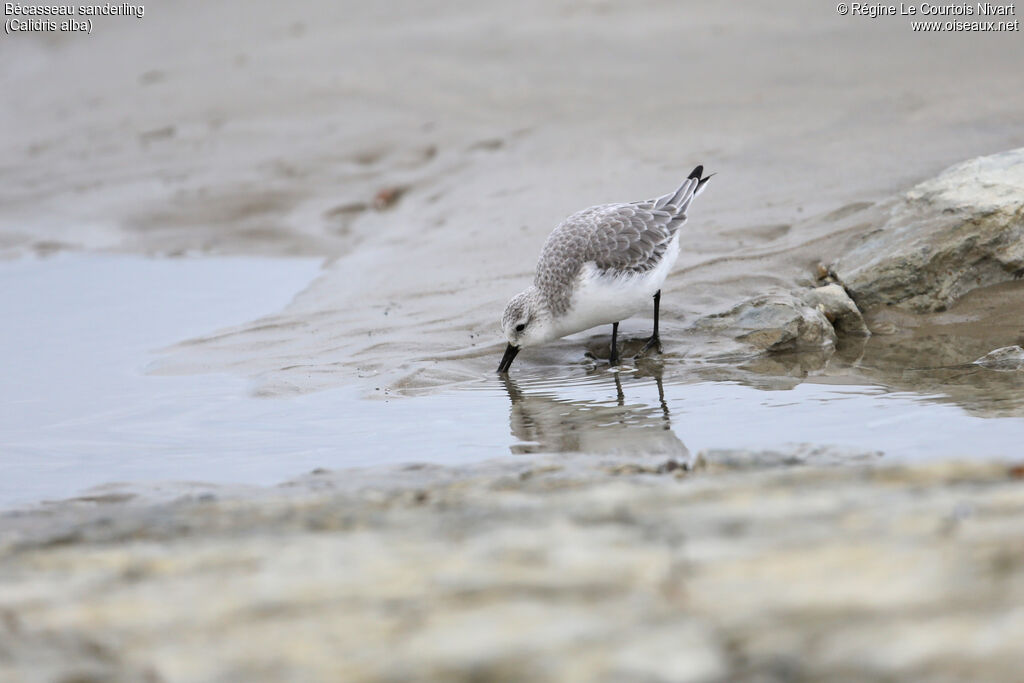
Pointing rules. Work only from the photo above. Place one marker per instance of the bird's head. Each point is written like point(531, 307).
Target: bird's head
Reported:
point(526, 322)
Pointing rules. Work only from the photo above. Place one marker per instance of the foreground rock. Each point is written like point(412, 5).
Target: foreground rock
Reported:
point(773, 322)
point(945, 237)
point(948, 236)
point(838, 308)
point(790, 321)
point(531, 570)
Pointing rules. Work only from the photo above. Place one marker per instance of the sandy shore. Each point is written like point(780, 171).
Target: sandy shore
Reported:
point(428, 149)
point(424, 150)
point(552, 569)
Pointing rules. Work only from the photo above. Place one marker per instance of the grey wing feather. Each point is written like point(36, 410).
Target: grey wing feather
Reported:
point(617, 238)
point(630, 238)
point(634, 237)
point(678, 201)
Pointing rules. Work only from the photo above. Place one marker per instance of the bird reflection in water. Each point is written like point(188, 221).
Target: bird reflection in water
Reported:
point(543, 422)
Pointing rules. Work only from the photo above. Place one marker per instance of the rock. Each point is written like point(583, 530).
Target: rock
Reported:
point(737, 574)
point(801, 320)
point(774, 322)
point(839, 308)
point(1006, 359)
point(945, 237)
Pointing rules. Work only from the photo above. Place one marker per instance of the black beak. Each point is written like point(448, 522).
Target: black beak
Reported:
point(506, 360)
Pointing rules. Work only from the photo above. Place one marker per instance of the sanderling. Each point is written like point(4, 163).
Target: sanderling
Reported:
point(600, 266)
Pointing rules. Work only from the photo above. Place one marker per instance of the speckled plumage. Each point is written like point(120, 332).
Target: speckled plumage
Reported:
point(600, 265)
point(619, 239)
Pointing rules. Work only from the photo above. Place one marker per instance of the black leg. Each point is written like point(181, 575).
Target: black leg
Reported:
point(657, 307)
point(655, 340)
point(613, 358)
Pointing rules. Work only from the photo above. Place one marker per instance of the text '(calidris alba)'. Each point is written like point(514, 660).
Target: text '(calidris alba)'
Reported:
point(600, 266)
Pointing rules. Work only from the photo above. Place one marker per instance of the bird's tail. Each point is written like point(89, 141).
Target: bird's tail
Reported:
point(679, 201)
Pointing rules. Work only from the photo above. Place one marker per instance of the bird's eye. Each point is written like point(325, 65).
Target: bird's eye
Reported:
point(520, 327)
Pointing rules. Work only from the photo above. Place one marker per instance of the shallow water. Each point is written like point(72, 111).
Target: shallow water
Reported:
point(80, 405)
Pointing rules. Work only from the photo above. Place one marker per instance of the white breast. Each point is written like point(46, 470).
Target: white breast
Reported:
point(601, 299)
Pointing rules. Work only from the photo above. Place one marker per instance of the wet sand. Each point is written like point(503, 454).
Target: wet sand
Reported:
point(424, 151)
point(553, 569)
point(428, 150)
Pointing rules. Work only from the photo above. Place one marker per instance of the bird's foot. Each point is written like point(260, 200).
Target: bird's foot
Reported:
point(653, 343)
point(613, 358)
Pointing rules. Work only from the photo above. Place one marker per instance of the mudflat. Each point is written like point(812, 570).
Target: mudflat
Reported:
point(779, 496)
point(426, 149)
